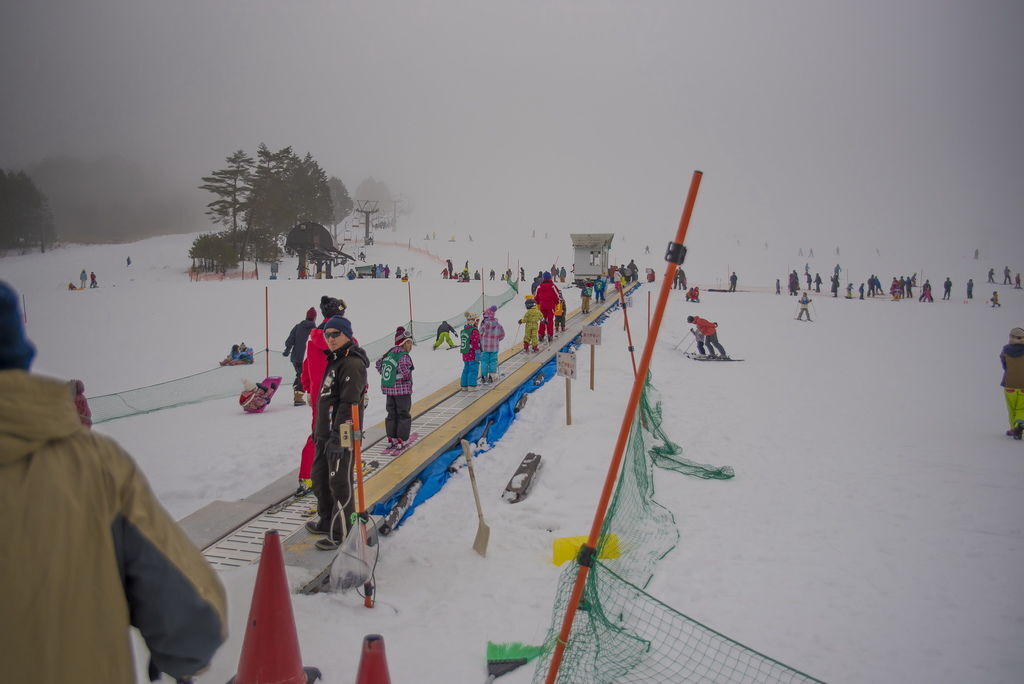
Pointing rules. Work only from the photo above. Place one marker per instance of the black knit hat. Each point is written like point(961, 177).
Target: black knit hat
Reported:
point(329, 306)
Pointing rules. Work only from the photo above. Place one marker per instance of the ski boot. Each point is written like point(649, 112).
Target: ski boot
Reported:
point(1018, 430)
point(305, 487)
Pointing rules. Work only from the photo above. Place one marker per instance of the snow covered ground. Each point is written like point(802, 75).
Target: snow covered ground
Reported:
point(873, 531)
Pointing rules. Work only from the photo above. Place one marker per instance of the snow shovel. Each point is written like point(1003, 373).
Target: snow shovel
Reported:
point(483, 532)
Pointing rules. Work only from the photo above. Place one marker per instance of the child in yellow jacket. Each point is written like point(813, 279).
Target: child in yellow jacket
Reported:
point(531, 319)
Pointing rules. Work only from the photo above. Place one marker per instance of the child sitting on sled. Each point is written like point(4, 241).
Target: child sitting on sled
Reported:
point(255, 398)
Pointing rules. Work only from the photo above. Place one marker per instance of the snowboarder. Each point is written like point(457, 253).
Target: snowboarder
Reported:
point(295, 349)
point(491, 335)
point(343, 389)
point(710, 332)
point(444, 335)
point(1012, 358)
point(804, 302)
point(531, 319)
point(469, 338)
point(395, 369)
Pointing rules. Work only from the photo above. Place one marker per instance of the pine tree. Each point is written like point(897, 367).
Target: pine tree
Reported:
point(233, 188)
point(25, 218)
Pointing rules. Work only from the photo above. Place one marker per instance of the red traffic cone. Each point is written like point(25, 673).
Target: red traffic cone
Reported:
point(270, 652)
point(373, 666)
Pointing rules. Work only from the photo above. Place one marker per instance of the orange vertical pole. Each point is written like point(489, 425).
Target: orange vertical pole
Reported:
point(589, 551)
point(357, 455)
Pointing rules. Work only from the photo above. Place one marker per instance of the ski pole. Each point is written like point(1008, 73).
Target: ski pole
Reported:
point(357, 454)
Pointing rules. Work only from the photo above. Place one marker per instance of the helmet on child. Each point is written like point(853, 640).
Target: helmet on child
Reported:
point(530, 303)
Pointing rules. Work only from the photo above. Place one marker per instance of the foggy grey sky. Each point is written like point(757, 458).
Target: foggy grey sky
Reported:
point(813, 121)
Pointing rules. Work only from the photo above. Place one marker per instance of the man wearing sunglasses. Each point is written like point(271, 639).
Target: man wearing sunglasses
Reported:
point(343, 386)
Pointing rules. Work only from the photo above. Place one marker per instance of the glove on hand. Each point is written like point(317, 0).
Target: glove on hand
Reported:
point(284, 353)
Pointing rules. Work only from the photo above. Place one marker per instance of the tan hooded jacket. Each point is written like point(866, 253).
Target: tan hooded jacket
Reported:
point(86, 550)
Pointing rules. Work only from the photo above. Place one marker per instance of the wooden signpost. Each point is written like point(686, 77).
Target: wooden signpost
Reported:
point(591, 334)
point(565, 365)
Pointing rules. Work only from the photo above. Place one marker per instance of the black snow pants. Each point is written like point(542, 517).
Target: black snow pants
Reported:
point(398, 422)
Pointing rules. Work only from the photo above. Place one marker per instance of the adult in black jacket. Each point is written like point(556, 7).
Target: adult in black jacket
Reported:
point(295, 349)
point(343, 387)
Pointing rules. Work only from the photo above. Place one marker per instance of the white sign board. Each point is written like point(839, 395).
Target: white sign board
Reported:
point(591, 334)
point(565, 364)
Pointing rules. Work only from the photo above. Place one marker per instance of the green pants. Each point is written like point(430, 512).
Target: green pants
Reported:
point(444, 337)
point(1014, 404)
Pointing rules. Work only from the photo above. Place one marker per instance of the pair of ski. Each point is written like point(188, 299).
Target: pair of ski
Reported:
point(705, 357)
point(396, 450)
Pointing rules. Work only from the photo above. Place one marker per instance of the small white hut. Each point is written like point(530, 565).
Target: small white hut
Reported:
point(590, 255)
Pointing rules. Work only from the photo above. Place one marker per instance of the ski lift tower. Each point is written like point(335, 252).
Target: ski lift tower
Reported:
point(366, 208)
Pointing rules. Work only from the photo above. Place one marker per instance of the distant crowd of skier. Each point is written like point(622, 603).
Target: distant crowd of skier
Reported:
point(901, 287)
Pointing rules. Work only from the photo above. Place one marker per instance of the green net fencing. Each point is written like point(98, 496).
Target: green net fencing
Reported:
point(622, 634)
point(226, 381)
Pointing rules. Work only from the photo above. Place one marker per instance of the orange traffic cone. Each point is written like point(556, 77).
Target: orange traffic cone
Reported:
point(270, 652)
point(373, 666)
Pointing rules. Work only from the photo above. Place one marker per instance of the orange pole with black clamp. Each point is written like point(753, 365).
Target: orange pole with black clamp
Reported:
point(674, 255)
point(357, 454)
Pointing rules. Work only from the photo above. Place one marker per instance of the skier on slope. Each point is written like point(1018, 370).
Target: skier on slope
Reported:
point(444, 335)
point(710, 332)
point(1012, 358)
point(395, 369)
point(804, 302)
point(547, 297)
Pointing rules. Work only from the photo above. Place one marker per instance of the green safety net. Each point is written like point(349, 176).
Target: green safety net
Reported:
point(226, 381)
point(620, 633)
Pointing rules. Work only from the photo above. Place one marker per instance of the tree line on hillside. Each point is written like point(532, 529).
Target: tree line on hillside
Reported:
point(258, 199)
point(25, 218)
